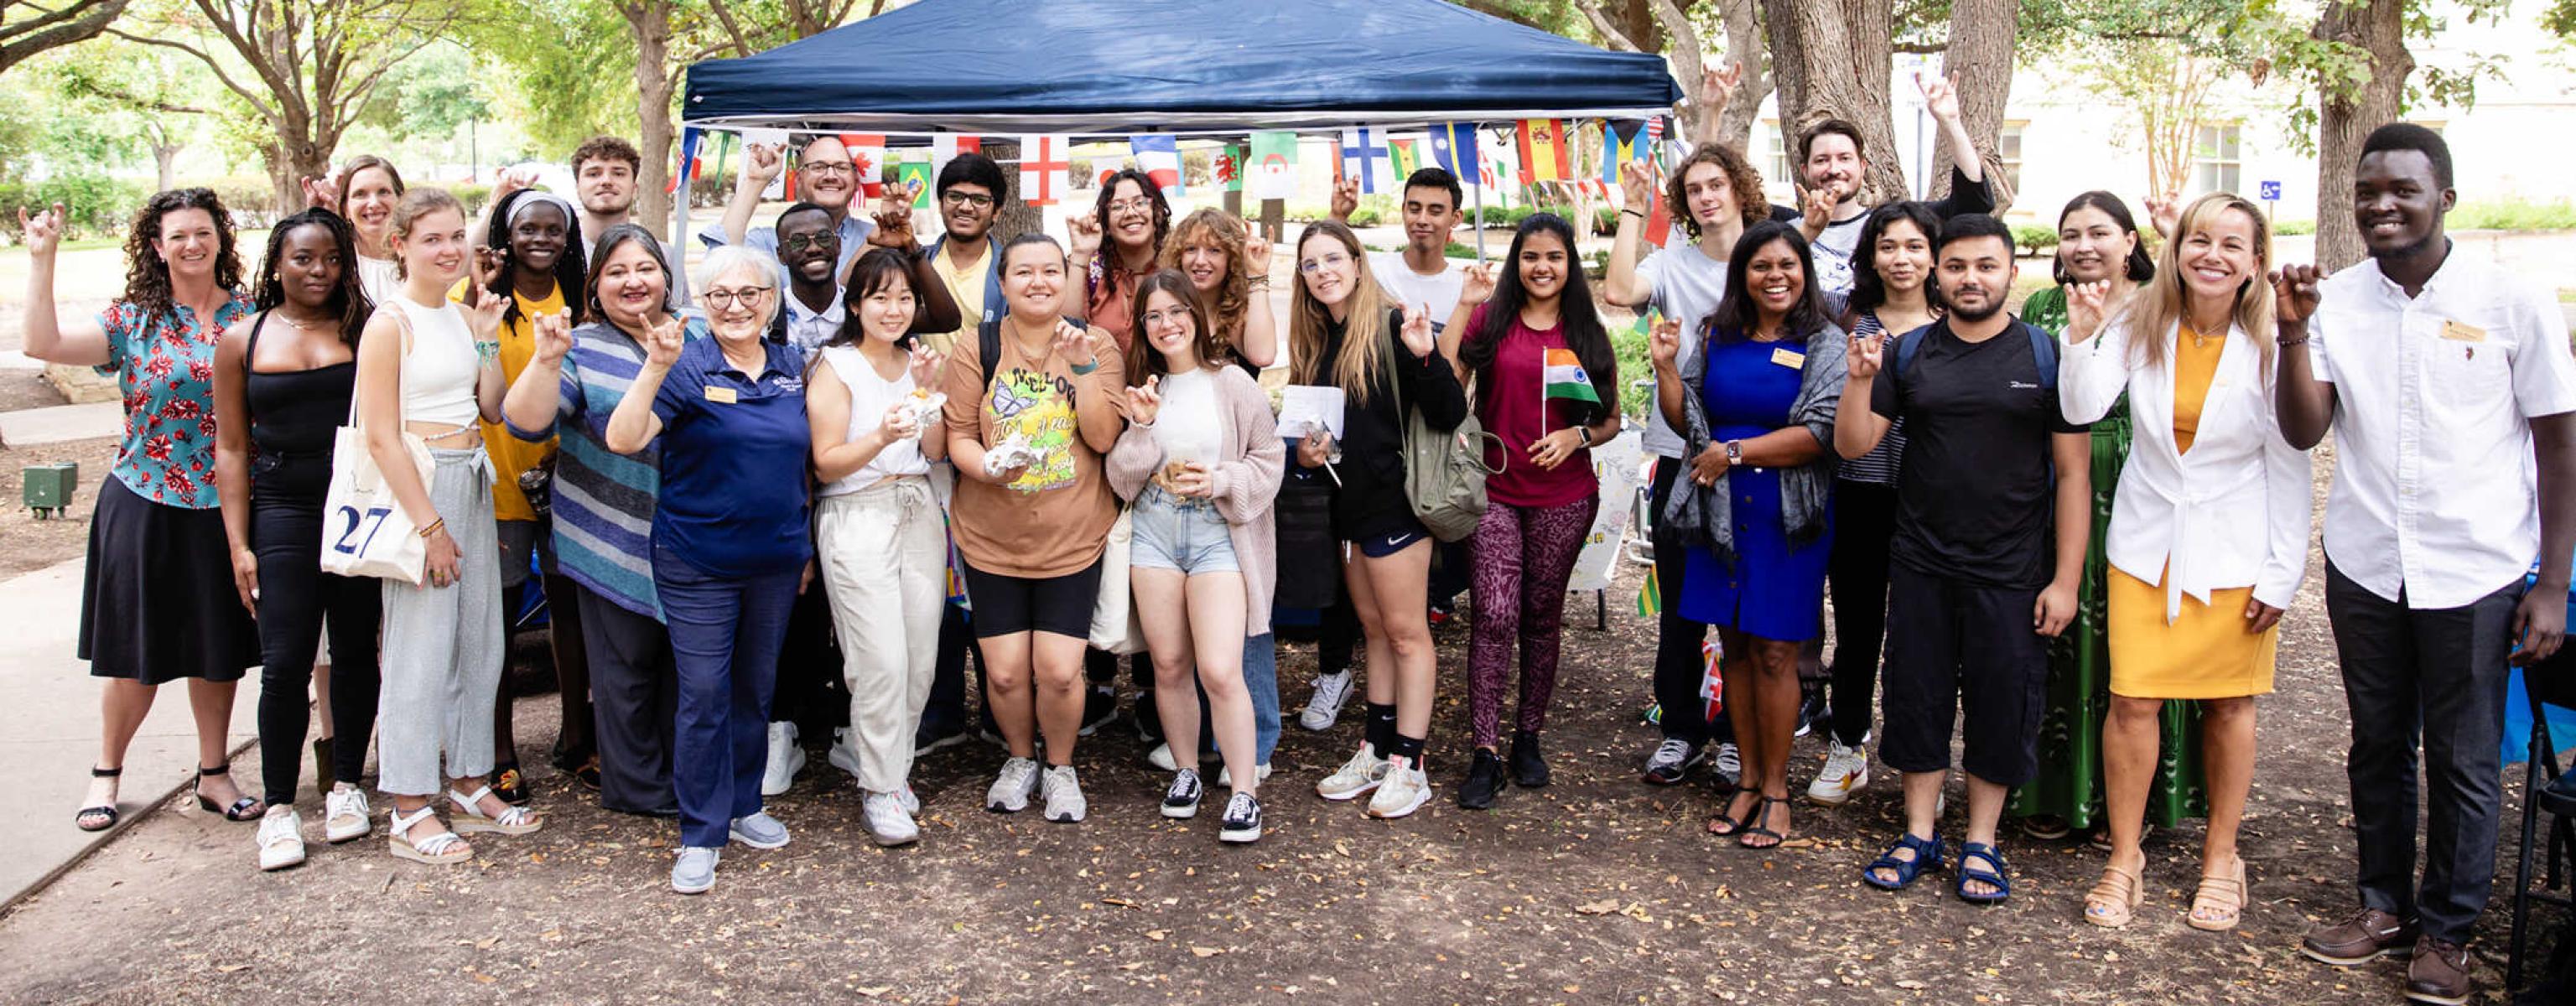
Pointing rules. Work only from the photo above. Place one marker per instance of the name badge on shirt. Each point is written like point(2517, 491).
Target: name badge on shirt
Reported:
point(1789, 358)
point(2463, 332)
point(720, 395)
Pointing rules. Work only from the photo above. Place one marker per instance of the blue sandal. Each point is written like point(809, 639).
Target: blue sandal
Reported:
point(1994, 876)
point(1927, 856)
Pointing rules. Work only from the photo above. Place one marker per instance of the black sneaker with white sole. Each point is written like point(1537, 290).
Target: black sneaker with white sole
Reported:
point(1672, 761)
point(1242, 819)
point(1099, 706)
point(1181, 801)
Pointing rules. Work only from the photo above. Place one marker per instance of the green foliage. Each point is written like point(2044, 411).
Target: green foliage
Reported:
point(2293, 228)
point(2560, 18)
point(1628, 346)
point(2512, 215)
point(568, 68)
point(2035, 239)
point(96, 205)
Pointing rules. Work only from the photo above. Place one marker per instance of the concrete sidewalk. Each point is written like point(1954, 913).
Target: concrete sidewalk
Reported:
point(57, 423)
point(49, 736)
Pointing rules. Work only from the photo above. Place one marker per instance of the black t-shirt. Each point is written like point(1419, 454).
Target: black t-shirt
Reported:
point(1975, 492)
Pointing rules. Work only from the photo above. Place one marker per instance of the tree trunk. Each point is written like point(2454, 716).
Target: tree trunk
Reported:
point(165, 157)
point(1979, 62)
point(1015, 216)
point(2347, 115)
point(1831, 59)
point(1744, 45)
point(650, 22)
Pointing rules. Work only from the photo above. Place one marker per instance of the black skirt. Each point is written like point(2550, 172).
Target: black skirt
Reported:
point(158, 603)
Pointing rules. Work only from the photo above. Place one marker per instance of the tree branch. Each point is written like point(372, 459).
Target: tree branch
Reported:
point(78, 22)
point(1494, 9)
point(1601, 23)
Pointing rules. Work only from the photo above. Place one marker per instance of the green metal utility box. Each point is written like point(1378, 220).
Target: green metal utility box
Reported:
point(47, 489)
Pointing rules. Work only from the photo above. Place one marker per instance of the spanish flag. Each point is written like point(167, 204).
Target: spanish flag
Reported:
point(1543, 153)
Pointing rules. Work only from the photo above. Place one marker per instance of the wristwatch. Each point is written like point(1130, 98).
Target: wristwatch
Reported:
point(1584, 433)
point(1734, 453)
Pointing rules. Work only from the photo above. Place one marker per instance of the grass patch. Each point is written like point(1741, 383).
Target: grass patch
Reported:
point(2513, 215)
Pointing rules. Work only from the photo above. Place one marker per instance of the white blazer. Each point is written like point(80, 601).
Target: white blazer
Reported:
point(2235, 511)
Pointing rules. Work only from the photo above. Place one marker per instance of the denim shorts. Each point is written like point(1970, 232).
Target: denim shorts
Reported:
point(1185, 535)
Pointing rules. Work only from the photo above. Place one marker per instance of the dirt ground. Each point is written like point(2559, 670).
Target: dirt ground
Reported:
point(1596, 889)
point(27, 543)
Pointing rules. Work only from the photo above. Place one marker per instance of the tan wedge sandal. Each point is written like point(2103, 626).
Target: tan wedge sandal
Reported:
point(469, 819)
point(2219, 903)
point(2114, 901)
point(440, 849)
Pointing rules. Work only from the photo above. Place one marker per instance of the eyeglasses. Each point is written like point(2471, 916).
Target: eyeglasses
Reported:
point(724, 300)
point(977, 200)
point(1330, 260)
point(817, 239)
point(830, 167)
point(1131, 204)
point(1158, 319)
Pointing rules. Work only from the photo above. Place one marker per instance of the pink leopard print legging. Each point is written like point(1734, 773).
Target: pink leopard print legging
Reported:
point(1523, 557)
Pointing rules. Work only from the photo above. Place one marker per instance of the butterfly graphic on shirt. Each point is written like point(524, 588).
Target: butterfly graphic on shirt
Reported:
point(1007, 405)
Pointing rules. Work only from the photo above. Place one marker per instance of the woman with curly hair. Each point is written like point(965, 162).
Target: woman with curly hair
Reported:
point(157, 602)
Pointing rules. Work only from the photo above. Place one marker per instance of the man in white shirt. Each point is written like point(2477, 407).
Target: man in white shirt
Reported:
point(1830, 156)
point(1420, 274)
point(2451, 393)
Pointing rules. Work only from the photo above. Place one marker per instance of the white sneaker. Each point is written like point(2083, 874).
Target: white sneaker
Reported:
point(1406, 789)
point(887, 820)
point(1260, 774)
point(1012, 788)
point(1332, 691)
point(1161, 758)
point(281, 839)
point(1846, 771)
point(1064, 804)
point(910, 801)
point(1729, 766)
point(345, 815)
point(842, 754)
point(785, 760)
point(1359, 775)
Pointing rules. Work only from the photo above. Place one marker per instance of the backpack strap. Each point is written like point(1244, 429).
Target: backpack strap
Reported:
point(2043, 350)
point(1909, 345)
point(988, 348)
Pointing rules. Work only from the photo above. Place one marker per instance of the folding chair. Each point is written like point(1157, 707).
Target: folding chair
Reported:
point(2551, 683)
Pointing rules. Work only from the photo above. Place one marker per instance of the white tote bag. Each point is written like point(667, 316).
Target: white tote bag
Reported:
point(364, 529)
point(1113, 619)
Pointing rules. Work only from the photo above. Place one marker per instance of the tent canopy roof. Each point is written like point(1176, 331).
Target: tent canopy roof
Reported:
point(1113, 67)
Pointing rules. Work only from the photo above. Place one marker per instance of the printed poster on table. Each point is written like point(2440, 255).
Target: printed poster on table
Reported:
point(1615, 464)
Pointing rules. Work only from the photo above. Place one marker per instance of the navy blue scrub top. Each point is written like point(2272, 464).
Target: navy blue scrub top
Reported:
point(734, 448)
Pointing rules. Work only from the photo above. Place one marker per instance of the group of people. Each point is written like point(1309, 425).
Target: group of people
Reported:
point(1036, 455)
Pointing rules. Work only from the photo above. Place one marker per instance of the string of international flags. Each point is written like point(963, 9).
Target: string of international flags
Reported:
point(1263, 166)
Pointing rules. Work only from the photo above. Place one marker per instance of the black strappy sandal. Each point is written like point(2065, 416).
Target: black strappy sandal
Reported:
point(1758, 825)
point(98, 818)
point(243, 808)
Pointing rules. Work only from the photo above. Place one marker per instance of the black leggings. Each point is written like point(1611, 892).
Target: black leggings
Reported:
point(1864, 521)
point(295, 600)
point(1679, 668)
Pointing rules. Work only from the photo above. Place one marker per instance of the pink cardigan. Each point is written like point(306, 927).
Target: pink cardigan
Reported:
point(1245, 485)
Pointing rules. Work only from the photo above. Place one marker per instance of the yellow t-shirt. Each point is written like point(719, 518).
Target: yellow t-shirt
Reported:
point(966, 286)
point(511, 455)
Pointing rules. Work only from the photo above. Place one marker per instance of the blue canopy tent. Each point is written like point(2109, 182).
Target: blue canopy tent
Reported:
point(1115, 67)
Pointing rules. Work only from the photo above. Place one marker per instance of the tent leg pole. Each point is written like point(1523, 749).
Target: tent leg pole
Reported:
point(1480, 223)
point(680, 220)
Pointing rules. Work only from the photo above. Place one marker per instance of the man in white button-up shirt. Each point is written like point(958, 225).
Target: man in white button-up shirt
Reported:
point(2452, 396)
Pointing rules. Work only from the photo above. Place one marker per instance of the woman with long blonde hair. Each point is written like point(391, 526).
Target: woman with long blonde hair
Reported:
point(2209, 530)
point(1341, 333)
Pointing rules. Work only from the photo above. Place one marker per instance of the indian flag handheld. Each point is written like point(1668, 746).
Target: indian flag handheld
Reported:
point(1566, 379)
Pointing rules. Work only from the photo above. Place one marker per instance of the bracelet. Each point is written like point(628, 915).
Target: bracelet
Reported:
point(1257, 283)
point(2287, 343)
point(1638, 213)
point(1081, 369)
point(434, 527)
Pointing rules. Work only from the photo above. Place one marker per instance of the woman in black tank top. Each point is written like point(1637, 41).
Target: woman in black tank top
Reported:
point(283, 379)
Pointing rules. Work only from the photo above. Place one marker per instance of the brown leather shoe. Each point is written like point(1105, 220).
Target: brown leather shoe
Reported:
point(2359, 939)
point(2439, 973)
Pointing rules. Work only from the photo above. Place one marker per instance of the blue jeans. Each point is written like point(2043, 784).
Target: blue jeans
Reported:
point(725, 638)
point(1261, 681)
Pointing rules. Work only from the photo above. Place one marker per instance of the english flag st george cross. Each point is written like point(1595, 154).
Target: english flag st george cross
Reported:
point(1364, 158)
point(1158, 155)
point(1542, 149)
point(1043, 165)
point(1453, 147)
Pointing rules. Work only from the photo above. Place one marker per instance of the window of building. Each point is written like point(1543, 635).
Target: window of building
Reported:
point(2008, 149)
point(2217, 159)
point(1776, 150)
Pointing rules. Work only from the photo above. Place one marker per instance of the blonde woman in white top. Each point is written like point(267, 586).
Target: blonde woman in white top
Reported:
point(881, 535)
point(432, 368)
point(2209, 529)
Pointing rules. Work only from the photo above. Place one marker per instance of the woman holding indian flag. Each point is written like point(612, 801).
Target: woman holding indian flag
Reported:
point(1755, 406)
point(1545, 383)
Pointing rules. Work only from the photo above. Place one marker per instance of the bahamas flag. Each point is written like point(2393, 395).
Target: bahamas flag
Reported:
point(1566, 380)
point(1619, 145)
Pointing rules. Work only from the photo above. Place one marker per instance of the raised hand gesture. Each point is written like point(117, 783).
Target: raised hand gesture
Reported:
point(1636, 187)
point(762, 163)
point(1346, 199)
point(926, 365)
point(483, 318)
point(662, 343)
point(1478, 286)
point(553, 336)
point(1417, 330)
point(1866, 353)
point(2164, 213)
point(480, 271)
point(43, 232)
point(1145, 404)
point(894, 217)
point(1664, 345)
point(1717, 86)
point(2086, 303)
point(323, 193)
point(1075, 344)
point(1940, 97)
point(1256, 253)
point(1817, 205)
point(1084, 231)
point(511, 181)
point(2294, 295)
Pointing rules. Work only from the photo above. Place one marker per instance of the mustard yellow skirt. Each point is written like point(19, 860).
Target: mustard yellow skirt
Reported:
point(2205, 654)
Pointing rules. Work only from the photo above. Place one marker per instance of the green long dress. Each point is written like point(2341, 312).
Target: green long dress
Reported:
point(2069, 784)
